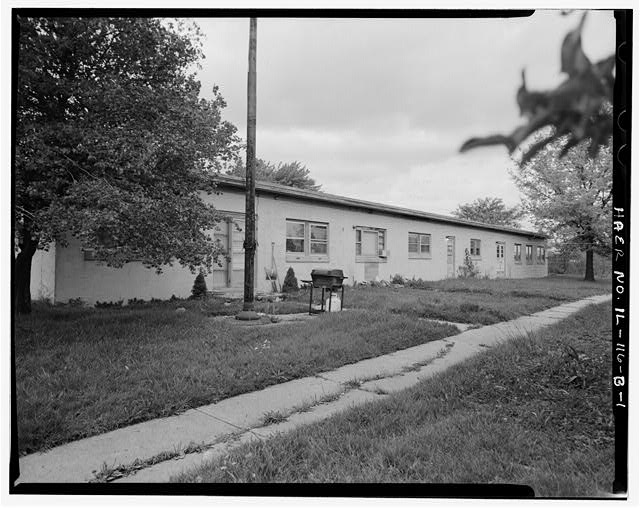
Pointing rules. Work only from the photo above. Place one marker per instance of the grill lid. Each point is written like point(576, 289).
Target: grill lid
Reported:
point(327, 273)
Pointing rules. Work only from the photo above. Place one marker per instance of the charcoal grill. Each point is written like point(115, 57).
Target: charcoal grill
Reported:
point(327, 280)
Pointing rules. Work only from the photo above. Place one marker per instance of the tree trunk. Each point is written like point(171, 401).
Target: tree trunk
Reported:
point(22, 274)
point(588, 275)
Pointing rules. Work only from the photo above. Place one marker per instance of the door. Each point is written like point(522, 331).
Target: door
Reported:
point(236, 269)
point(451, 256)
point(499, 259)
point(228, 272)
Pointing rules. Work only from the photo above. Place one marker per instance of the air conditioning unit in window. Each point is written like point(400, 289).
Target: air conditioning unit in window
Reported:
point(384, 254)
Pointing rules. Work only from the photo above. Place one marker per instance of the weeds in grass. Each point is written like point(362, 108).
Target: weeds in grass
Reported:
point(352, 384)
point(329, 397)
point(273, 417)
point(325, 399)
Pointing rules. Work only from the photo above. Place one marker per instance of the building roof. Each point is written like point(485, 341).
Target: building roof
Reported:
point(323, 197)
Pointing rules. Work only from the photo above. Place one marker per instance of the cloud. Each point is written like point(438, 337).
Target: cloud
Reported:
point(377, 108)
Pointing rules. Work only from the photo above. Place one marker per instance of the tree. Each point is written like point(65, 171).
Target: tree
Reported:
point(291, 174)
point(570, 197)
point(578, 110)
point(113, 144)
point(490, 211)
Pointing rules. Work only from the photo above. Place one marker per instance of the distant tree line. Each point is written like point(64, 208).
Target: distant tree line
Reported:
point(291, 174)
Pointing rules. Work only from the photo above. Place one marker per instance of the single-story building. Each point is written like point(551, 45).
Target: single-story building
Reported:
point(305, 230)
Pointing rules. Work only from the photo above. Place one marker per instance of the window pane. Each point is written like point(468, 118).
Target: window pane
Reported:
point(358, 235)
point(413, 242)
point(295, 230)
point(358, 249)
point(318, 247)
point(295, 245)
point(425, 244)
point(318, 232)
point(369, 243)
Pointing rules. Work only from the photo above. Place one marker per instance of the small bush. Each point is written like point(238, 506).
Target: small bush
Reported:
point(397, 279)
point(199, 289)
point(75, 302)
point(290, 282)
point(136, 302)
point(468, 270)
point(109, 305)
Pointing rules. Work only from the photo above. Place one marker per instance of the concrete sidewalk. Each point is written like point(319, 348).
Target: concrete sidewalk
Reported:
point(156, 450)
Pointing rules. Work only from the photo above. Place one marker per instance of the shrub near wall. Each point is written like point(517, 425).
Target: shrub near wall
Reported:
point(290, 282)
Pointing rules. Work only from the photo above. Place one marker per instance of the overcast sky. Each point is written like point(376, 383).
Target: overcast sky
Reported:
point(377, 108)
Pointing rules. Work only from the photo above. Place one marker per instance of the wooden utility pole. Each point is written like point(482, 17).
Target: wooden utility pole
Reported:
point(247, 312)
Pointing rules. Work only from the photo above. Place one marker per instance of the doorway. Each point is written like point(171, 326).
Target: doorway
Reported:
point(500, 259)
point(228, 272)
point(451, 257)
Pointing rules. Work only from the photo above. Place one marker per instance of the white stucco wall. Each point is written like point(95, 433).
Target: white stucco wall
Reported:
point(92, 281)
point(77, 278)
point(43, 273)
point(272, 228)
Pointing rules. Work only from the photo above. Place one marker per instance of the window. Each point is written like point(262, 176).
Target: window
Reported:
point(529, 254)
point(540, 255)
point(419, 245)
point(475, 247)
point(307, 240)
point(517, 252)
point(89, 254)
point(295, 236)
point(370, 244)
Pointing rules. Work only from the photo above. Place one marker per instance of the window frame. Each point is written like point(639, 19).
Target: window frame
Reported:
point(529, 253)
point(517, 253)
point(306, 255)
point(381, 256)
point(540, 254)
point(477, 253)
point(419, 254)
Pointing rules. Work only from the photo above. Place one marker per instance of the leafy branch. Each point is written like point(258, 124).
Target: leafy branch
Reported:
point(579, 109)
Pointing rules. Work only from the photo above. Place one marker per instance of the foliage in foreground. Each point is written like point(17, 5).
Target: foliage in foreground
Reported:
point(533, 411)
point(576, 111)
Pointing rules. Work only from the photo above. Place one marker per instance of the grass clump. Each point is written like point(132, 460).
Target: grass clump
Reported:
point(514, 414)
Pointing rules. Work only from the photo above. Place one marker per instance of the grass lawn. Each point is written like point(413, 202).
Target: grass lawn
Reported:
point(534, 411)
point(476, 300)
point(81, 372)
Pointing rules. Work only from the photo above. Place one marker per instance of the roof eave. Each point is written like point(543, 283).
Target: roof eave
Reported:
point(293, 192)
